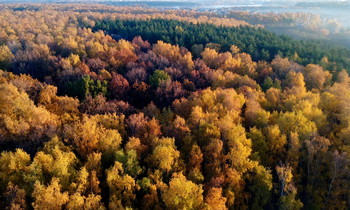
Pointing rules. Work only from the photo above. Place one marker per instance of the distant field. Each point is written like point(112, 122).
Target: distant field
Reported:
point(333, 4)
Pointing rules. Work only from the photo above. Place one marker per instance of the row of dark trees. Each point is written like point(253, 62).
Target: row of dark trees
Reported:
point(259, 43)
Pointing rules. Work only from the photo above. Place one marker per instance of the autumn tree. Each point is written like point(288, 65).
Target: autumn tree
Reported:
point(121, 187)
point(164, 155)
point(54, 161)
point(15, 197)
point(261, 187)
point(6, 57)
point(182, 194)
point(119, 86)
point(215, 199)
point(25, 120)
point(49, 197)
point(287, 189)
point(88, 136)
point(12, 168)
point(316, 77)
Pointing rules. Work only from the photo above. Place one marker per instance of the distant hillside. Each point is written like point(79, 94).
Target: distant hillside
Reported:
point(332, 4)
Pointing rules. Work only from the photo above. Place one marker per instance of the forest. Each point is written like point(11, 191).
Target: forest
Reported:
point(112, 110)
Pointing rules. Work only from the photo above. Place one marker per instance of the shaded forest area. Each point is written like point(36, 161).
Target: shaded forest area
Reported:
point(91, 122)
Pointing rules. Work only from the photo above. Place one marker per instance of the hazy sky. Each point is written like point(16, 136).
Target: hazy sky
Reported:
point(227, 1)
point(188, 1)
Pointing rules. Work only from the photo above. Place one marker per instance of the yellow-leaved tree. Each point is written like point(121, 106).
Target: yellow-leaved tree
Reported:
point(182, 194)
